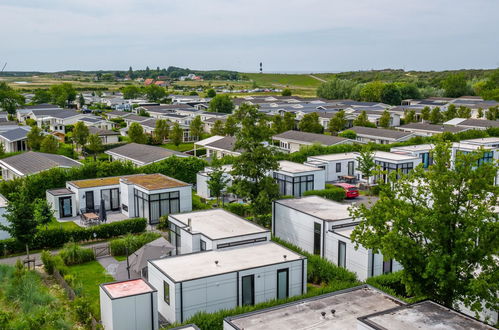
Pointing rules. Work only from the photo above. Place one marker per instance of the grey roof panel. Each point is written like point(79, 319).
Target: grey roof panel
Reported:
point(433, 127)
point(33, 162)
point(327, 140)
point(143, 153)
point(380, 132)
point(15, 134)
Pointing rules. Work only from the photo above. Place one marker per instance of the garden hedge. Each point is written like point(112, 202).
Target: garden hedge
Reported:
point(57, 237)
point(333, 193)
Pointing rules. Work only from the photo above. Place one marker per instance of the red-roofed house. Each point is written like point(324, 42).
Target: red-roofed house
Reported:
point(148, 81)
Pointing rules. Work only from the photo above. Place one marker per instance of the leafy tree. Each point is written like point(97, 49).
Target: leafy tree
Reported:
point(42, 212)
point(221, 103)
point(366, 163)
point(480, 113)
point(230, 127)
point(211, 93)
point(436, 116)
point(337, 122)
point(136, 133)
point(94, 144)
point(288, 121)
point(41, 96)
point(250, 170)
point(286, 92)
point(464, 112)
point(34, 138)
point(177, 134)
point(390, 94)
point(143, 112)
point(362, 120)
point(62, 94)
point(385, 119)
point(409, 91)
point(348, 134)
point(131, 92)
point(336, 89)
point(80, 134)
point(21, 222)
point(371, 92)
point(492, 113)
point(310, 123)
point(455, 85)
point(409, 116)
point(451, 112)
point(49, 144)
point(425, 113)
point(218, 128)
point(9, 98)
point(81, 100)
point(161, 131)
point(155, 93)
point(196, 128)
point(2, 149)
point(218, 179)
point(440, 225)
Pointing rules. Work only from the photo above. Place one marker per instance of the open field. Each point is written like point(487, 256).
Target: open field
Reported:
point(45, 81)
point(283, 80)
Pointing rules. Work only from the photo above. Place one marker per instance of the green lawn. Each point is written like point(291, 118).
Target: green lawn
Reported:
point(120, 258)
point(281, 80)
point(181, 147)
point(63, 225)
point(90, 275)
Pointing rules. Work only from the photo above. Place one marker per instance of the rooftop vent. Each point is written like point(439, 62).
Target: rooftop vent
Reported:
point(284, 256)
point(333, 311)
point(323, 314)
point(216, 262)
point(189, 224)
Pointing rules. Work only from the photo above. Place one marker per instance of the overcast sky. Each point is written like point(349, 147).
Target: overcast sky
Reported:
point(286, 35)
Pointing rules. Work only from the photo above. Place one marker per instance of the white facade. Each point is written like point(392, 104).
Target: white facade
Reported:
point(3, 221)
point(128, 305)
point(63, 202)
point(336, 165)
point(225, 279)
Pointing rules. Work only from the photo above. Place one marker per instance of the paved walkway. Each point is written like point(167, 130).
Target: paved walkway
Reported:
point(315, 77)
point(37, 256)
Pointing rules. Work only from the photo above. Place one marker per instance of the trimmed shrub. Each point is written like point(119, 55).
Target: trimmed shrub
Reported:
point(133, 242)
point(73, 254)
point(57, 237)
point(48, 262)
point(197, 203)
point(333, 193)
point(241, 210)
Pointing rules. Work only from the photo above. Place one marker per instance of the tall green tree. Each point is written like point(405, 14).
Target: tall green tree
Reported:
point(196, 128)
point(451, 112)
point(409, 91)
point(366, 163)
point(337, 122)
point(480, 113)
point(289, 121)
point(155, 93)
point(49, 144)
point(250, 170)
point(10, 99)
point(62, 94)
point(42, 212)
point(409, 116)
point(131, 92)
point(81, 100)
point(136, 133)
point(211, 93)
point(440, 225)
point(492, 113)
point(436, 116)
point(41, 96)
point(336, 89)
point(362, 120)
point(80, 134)
point(161, 131)
point(218, 179)
point(286, 92)
point(371, 92)
point(94, 145)
point(218, 128)
point(34, 138)
point(230, 127)
point(390, 94)
point(221, 103)
point(425, 113)
point(310, 123)
point(385, 119)
point(464, 112)
point(177, 134)
point(455, 85)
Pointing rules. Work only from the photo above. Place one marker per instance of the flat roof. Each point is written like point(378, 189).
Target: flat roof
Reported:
point(422, 315)
point(292, 167)
point(154, 181)
point(306, 314)
point(491, 139)
point(218, 223)
point(318, 207)
point(470, 146)
point(345, 231)
point(346, 155)
point(60, 191)
point(417, 147)
point(97, 182)
point(393, 156)
point(202, 264)
point(127, 288)
point(208, 140)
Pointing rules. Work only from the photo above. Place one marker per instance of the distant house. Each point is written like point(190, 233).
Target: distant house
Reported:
point(424, 129)
point(148, 81)
point(292, 141)
point(33, 162)
point(481, 124)
point(141, 154)
point(221, 147)
point(117, 114)
point(16, 139)
point(380, 135)
point(24, 112)
point(56, 120)
point(107, 136)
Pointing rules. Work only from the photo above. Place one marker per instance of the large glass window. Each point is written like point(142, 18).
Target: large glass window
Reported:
point(282, 283)
point(342, 254)
point(174, 236)
point(166, 292)
point(390, 167)
point(294, 186)
point(248, 290)
point(426, 159)
point(154, 206)
point(338, 167)
point(317, 238)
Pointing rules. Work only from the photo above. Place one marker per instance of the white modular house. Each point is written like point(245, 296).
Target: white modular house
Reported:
point(390, 161)
point(3, 221)
point(380, 135)
point(16, 139)
point(210, 281)
point(212, 230)
point(323, 227)
point(422, 151)
point(336, 166)
point(129, 305)
point(147, 196)
point(141, 154)
point(202, 178)
point(337, 310)
point(291, 141)
point(294, 178)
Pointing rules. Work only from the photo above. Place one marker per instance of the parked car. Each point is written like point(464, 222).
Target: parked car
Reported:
point(351, 191)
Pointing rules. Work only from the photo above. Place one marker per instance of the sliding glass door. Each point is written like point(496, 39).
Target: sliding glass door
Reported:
point(248, 290)
point(111, 198)
point(282, 283)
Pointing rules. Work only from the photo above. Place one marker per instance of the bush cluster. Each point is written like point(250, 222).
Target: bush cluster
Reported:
point(242, 210)
point(57, 237)
point(133, 242)
point(73, 254)
point(333, 193)
point(392, 284)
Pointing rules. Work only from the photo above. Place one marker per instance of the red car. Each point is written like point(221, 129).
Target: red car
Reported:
point(351, 191)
